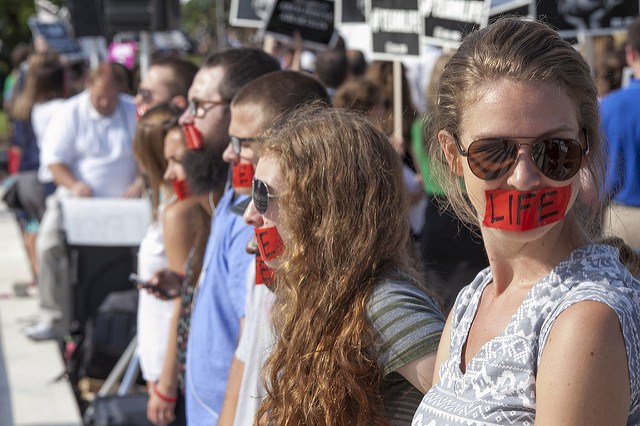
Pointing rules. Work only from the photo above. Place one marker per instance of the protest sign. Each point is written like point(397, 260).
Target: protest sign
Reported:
point(395, 26)
point(56, 37)
point(571, 17)
point(446, 22)
point(249, 13)
point(313, 19)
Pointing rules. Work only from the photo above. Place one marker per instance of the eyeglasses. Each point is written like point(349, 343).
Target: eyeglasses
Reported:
point(236, 142)
point(557, 158)
point(145, 95)
point(260, 195)
point(199, 108)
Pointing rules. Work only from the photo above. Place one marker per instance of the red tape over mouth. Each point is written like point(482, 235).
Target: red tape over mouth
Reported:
point(524, 210)
point(242, 176)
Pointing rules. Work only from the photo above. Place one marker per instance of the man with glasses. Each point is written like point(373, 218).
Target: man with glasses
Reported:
point(166, 81)
point(219, 302)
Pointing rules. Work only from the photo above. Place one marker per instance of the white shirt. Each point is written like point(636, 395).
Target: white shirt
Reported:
point(40, 116)
point(96, 149)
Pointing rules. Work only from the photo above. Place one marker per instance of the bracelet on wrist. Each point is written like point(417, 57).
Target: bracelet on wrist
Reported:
point(165, 398)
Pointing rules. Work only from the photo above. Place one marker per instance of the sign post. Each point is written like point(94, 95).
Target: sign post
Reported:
point(396, 27)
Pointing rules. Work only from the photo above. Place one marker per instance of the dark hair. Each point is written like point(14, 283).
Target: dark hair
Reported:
point(359, 95)
point(357, 62)
point(633, 34)
point(182, 73)
point(241, 65)
point(281, 91)
point(332, 67)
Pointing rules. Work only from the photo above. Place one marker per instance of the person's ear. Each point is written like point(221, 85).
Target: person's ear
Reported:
point(179, 101)
point(451, 154)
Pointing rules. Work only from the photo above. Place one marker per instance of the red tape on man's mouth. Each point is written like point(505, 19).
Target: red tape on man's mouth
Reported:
point(193, 137)
point(525, 210)
point(242, 175)
point(270, 244)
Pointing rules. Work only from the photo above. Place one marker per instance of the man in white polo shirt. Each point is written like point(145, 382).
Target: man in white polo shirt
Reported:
point(87, 148)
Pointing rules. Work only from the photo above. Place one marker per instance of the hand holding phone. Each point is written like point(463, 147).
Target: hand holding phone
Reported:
point(153, 288)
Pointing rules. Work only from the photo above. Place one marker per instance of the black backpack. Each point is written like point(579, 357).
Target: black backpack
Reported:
point(105, 337)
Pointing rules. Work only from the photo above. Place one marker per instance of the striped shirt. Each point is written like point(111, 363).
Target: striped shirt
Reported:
point(408, 324)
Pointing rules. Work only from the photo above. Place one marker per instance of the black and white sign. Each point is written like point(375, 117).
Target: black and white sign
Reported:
point(350, 12)
point(591, 17)
point(446, 22)
point(314, 19)
point(57, 38)
point(396, 26)
point(249, 13)
point(521, 8)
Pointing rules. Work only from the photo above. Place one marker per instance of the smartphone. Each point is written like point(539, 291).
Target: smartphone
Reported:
point(139, 283)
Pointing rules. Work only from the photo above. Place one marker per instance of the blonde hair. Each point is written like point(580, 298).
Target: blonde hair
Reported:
point(148, 145)
point(344, 209)
point(519, 51)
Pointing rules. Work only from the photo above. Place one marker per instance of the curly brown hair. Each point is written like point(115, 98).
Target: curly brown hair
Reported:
point(343, 209)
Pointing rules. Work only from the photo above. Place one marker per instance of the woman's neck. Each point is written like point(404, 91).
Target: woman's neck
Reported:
point(523, 263)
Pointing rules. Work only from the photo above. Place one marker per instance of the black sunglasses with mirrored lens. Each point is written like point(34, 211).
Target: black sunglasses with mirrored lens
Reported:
point(260, 195)
point(557, 158)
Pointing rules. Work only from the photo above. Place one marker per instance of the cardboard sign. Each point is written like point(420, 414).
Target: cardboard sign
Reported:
point(446, 22)
point(571, 17)
point(249, 13)
point(525, 210)
point(396, 26)
point(313, 19)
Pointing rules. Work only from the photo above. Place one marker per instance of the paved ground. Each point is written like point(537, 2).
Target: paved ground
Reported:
point(29, 392)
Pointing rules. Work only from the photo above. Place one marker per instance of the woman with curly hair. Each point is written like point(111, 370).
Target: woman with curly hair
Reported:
point(356, 331)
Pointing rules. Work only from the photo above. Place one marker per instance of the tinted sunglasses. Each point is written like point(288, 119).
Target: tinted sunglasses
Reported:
point(557, 158)
point(236, 142)
point(260, 195)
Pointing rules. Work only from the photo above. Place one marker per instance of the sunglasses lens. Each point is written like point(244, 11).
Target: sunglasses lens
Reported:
point(558, 159)
point(260, 196)
point(491, 158)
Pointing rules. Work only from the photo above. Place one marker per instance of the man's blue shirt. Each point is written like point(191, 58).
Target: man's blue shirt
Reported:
point(218, 307)
point(620, 112)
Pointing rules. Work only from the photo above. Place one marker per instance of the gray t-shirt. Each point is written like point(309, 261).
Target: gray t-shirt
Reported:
point(409, 324)
point(499, 384)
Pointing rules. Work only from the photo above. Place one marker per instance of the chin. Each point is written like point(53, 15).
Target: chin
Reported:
point(522, 237)
point(242, 191)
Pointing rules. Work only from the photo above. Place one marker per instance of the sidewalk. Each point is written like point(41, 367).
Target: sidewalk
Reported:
point(29, 392)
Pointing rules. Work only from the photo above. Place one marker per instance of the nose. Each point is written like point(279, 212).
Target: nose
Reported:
point(252, 217)
point(186, 118)
point(169, 175)
point(229, 155)
point(525, 174)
